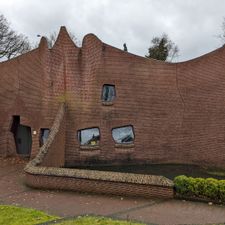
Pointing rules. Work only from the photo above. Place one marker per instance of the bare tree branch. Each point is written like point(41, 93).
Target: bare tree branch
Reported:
point(53, 36)
point(11, 43)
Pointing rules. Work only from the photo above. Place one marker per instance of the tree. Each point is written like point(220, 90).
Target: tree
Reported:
point(162, 48)
point(222, 36)
point(53, 36)
point(11, 43)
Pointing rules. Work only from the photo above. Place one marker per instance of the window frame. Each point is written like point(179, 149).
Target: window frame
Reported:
point(41, 143)
point(115, 94)
point(123, 144)
point(88, 146)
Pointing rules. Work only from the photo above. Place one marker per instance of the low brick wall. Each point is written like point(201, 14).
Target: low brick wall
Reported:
point(99, 186)
point(100, 182)
point(42, 174)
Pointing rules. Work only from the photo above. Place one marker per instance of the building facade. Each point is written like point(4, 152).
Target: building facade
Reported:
point(120, 108)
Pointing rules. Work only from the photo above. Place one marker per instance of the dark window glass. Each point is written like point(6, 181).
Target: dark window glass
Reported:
point(108, 93)
point(123, 135)
point(89, 136)
point(44, 135)
point(15, 124)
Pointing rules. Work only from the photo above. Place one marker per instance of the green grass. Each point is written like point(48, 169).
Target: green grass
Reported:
point(11, 215)
point(90, 220)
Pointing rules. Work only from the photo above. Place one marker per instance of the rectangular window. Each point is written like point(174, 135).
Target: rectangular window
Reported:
point(89, 136)
point(44, 136)
point(123, 135)
point(108, 93)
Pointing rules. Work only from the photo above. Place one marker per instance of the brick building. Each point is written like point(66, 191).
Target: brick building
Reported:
point(120, 108)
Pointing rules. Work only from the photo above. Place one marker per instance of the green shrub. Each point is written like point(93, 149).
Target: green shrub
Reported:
point(222, 190)
point(200, 187)
point(211, 188)
point(181, 184)
point(196, 186)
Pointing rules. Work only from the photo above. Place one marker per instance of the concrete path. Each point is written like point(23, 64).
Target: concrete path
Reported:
point(13, 191)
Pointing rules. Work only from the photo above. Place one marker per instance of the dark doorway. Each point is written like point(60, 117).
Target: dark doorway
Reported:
point(22, 136)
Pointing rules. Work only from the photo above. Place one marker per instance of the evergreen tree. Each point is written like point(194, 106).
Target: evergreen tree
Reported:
point(162, 49)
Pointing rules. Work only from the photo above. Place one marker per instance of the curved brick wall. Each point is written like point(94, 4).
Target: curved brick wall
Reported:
point(177, 110)
point(32, 87)
point(44, 172)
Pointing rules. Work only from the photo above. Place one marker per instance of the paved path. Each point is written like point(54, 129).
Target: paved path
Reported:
point(13, 191)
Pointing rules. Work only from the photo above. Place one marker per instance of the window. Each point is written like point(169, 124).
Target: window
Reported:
point(108, 93)
point(123, 135)
point(89, 137)
point(44, 135)
point(15, 124)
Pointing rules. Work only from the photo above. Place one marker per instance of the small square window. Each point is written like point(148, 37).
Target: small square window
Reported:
point(89, 137)
point(108, 93)
point(44, 135)
point(123, 135)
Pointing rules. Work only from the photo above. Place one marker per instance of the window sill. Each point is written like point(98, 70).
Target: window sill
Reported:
point(107, 103)
point(124, 148)
point(89, 148)
point(90, 153)
point(124, 145)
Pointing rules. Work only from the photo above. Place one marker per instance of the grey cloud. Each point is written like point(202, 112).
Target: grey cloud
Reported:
point(191, 24)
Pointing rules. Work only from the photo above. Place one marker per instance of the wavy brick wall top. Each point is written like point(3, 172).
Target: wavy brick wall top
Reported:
point(177, 110)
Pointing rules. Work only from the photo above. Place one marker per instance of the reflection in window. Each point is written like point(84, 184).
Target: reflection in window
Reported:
point(44, 135)
point(89, 136)
point(123, 135)
point(108, 93)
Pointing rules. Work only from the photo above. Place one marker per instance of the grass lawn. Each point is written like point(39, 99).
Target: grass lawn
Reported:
point(90, 220)
point(12, 215)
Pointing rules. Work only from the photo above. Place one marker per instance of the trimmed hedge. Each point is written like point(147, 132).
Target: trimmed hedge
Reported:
point(209, 188)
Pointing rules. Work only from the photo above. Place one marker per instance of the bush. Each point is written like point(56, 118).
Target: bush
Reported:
point(181, 184)
point(196, 186)
point(199, 187)
point(211, 188)
point(222, 190)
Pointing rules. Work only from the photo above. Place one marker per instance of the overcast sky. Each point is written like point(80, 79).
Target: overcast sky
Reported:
point(192, 24)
